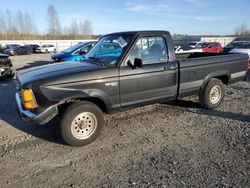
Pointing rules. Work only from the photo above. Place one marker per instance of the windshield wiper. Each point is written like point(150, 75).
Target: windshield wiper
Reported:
point(97, 60)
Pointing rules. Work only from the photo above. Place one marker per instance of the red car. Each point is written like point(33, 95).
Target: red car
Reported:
point(213, 47)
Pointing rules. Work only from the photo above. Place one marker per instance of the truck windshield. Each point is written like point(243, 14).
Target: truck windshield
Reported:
point(108, 49)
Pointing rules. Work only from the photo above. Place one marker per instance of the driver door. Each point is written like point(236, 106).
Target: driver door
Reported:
point(155, 80)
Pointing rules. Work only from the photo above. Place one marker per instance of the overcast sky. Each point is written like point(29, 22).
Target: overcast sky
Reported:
point(178, 16)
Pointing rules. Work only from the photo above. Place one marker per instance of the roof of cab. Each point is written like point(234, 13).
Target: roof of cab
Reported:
point(146, 32)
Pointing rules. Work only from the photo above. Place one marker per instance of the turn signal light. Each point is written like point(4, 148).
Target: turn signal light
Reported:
point(29, 100)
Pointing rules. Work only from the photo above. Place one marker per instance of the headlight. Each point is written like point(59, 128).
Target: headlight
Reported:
point(29, 100)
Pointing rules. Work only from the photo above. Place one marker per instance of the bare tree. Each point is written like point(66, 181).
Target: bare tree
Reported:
point(2, 24)
point(54, 27)
point(10, 23)
point(86, 28)
point(242, 30)
point(20, 25)
point(77, 29)
point(74, 28)
point(29, 24)
point(20, 22)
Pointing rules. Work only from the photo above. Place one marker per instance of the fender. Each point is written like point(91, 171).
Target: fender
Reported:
point(57, 95)
point(214, 75)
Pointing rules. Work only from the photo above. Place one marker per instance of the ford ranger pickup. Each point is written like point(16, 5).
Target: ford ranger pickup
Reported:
point(122, 71)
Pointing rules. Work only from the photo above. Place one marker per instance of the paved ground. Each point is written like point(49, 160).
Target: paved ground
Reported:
point(161, 145)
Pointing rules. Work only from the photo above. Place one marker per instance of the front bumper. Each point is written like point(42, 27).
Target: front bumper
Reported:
point(42, 118)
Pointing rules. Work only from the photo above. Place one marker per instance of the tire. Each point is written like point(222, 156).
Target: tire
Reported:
point(46, 51)
point(74, 131)
point(212, 94)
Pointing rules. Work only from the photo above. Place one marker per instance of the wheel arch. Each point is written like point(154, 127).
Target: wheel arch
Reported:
point(224, 76)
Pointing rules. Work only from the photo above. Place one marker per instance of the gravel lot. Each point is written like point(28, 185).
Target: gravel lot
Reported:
point(161, 145)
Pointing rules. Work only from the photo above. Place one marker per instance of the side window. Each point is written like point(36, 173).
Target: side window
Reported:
point(214, 45)
point(85, 48)
point(150, 49)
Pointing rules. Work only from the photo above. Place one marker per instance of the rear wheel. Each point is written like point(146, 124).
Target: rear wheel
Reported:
point(212, 94)
point(82, 122)
point(46, 51)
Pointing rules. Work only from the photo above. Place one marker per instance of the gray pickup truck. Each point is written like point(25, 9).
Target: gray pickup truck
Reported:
point(122, 71)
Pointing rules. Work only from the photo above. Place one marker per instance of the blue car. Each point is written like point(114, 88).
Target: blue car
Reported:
point(74, 53)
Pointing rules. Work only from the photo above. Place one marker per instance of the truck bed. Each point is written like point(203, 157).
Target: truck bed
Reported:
point(197, 68)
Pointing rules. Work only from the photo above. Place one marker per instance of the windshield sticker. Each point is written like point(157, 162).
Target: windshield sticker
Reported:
point(121, 42)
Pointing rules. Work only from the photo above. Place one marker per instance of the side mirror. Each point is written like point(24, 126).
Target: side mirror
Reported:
point(130, 64)
point(138, 62)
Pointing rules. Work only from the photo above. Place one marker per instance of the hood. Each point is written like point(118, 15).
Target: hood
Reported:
point(59, 55)
point(55, 70)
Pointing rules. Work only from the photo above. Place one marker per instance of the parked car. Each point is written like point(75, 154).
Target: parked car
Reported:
point(113, 78)
point(232, 45)
point(74, 53)
point(244, 48)
point(9, 46)
point(198, 48)
point(18, 50)
point(213, 47)
point(181, 47)
point(46, 48)
point(33, 47)
point(6, 67)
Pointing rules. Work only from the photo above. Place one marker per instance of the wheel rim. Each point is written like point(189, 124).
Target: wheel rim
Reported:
point(215, 94)
point(83, 125)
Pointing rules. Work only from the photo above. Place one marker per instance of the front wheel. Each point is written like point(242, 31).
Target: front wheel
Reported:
point(212, 94)
point(81, 124)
